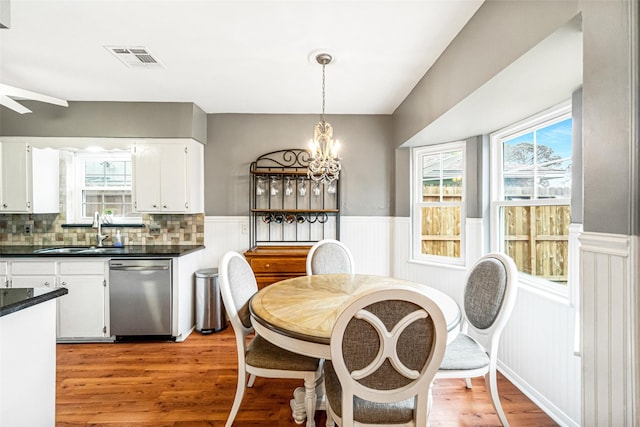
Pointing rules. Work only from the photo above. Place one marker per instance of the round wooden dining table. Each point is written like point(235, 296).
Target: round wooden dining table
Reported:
point(298, 314)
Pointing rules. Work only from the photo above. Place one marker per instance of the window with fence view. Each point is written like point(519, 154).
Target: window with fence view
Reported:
point(534, 194)
point(104, 185)
point(439, 202)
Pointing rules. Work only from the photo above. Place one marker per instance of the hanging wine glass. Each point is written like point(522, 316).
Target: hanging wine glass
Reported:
point(288, 189)
point(316, 189)
point(274, 186)
point(302, 190)
point(260, 187)
point(331, 189)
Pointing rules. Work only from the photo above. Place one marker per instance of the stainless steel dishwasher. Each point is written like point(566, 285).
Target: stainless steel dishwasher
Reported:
point(140, 299)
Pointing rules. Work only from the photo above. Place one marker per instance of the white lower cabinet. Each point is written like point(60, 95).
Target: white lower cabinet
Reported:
point(82, 312)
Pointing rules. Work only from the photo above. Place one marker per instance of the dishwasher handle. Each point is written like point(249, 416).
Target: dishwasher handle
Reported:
point(137, 267)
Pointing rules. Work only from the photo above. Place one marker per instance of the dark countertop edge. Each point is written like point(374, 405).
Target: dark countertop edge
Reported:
point(157, 251)
point(21, 305)
point(103, 225)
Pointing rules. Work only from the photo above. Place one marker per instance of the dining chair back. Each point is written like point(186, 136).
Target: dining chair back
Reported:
point(260, 357)
point(386, 347)
point(489, 297)
point(329, 256)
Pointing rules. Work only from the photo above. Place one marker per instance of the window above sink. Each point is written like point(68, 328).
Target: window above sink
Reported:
point(99, 181)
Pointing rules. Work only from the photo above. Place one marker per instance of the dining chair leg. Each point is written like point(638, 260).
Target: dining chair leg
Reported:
point(467, 382)
point(252, 379)
point(310, 399)
point(237, 400)
point(491, 381)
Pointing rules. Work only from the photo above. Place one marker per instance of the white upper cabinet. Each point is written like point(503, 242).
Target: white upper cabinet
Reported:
point(168, 176)
point(29, 178)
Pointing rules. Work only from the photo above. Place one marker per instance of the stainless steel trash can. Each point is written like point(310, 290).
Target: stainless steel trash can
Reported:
point(210, 313)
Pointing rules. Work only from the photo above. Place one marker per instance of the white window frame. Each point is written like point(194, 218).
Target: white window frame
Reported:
point(75, 185)
point(416, 204)
point(548, 117)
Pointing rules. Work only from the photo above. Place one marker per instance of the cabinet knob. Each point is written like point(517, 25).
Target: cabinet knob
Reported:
point(4, 205)
point(63, 284)
point(164, 206)
point(267, 265)
point(155, 206)
point(47, 284)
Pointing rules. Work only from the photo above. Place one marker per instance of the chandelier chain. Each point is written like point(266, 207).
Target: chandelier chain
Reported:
point(323, 90)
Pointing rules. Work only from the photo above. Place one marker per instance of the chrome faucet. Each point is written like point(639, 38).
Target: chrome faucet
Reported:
point(97, 223)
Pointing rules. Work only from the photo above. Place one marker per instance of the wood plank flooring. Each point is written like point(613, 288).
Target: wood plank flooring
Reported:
point(192, 384)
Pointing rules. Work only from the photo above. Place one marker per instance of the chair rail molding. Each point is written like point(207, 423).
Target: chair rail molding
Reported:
point(609, 339)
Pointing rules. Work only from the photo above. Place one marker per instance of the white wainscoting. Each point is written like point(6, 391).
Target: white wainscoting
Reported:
point(222, 234)
point(537, 352)
point(609, 303)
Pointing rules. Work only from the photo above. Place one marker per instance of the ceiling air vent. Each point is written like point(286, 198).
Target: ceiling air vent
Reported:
point(136, 56)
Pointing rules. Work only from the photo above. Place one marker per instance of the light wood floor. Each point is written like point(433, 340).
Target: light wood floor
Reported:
point(193, 384)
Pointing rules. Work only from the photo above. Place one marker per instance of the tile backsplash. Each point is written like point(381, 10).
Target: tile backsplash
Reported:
point(47, 230)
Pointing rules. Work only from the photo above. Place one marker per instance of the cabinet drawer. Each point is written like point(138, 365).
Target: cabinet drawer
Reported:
point(35, 267)
point(278, 265)
point(33, 281)
point(3, 268)
point(82, 267)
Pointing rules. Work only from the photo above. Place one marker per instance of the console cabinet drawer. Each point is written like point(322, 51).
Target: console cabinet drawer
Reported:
point(274, 263)
point(278, 265)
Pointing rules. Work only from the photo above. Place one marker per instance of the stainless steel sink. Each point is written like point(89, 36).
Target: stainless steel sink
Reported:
point(69, 250)
point(102, 251)
point(79, 250)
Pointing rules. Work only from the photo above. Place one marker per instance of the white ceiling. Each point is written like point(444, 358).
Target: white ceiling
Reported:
point(231, 56)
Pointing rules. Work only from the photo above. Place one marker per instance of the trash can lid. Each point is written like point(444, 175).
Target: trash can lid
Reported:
point(207, 272)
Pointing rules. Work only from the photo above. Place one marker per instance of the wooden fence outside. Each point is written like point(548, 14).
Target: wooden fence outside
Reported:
point(536, 237)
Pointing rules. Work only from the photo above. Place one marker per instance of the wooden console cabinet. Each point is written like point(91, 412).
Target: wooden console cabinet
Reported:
point(274, 263)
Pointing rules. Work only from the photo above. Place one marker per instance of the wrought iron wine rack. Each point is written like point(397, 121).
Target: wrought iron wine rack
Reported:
point(285, 206)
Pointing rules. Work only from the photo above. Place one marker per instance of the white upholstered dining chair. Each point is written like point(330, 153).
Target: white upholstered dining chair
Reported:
point(489, 297)
point(386, 347)
point(260, 357)
point(329, 256)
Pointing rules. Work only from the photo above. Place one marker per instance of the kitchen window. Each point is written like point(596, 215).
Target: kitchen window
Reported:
point(102, 182)
point(531, 195)
point(439, 203)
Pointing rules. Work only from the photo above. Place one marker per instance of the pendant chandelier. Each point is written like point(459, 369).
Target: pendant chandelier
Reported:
point(324, 166)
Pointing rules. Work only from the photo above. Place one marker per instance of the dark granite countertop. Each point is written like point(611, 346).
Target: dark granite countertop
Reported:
point(16, 299)
point(110, 251)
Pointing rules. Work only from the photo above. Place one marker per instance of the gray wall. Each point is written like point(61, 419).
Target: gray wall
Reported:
point(609, 99)
point(235, 140)
point(107, 119)
point(610, 118)
point(498, 34)
point(576, 158)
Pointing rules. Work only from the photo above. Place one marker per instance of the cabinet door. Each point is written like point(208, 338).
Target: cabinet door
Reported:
point(15, 170)
point(4, 278)
point(173, 179)
point(81, 313)
point(147, 171)
point(160, 177)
